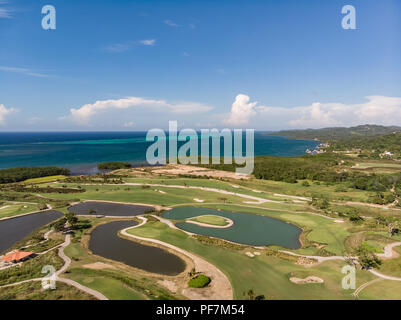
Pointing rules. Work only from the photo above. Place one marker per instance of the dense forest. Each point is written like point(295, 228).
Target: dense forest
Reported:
point(113, 165)
point(380, 144)
point(331, 135)
point(23, 173)
point(326, 167)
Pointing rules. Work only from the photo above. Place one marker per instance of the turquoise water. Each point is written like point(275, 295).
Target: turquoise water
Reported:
point(81, 151)
point(249, 229)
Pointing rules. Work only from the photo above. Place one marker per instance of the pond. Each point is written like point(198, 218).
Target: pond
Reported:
point(109, 209)
point(105, 242)
point(17, 228)
point(249, 229)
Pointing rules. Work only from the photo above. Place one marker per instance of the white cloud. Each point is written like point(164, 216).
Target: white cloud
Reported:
point(241, 110)
point(24, 71)
point(125, 46)
point(5, 12)
point(4, 112)
point(377, 109)
point(170, 23)
point(83, 114)
point(34, 120)
point(148, 42)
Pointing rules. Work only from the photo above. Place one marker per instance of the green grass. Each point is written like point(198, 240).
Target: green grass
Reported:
point(45, 179)
point(111, 288)
point(11, 210)
point(382, 290)
point(392, 267)
point(132, 194)
point(264, 274)
point(211, 219)
point(297, 189)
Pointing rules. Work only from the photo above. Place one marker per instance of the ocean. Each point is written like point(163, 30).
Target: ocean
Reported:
point(81, 151)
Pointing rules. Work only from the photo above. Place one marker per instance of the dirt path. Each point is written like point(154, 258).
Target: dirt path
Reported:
point(388, 251)
point(383, 276)
point(372, 205)
point(318, 258)
point(67, 262)
point(220, 287)
point(221, 191)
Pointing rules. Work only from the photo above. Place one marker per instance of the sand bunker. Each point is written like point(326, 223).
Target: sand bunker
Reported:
point(310, 279)
point(195, 171)
point(198, 200)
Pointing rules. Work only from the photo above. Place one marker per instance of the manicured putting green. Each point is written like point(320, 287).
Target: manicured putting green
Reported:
point(211, 219)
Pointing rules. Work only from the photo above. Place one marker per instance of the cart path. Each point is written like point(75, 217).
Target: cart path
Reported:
point(220, 287)
point(67, 262)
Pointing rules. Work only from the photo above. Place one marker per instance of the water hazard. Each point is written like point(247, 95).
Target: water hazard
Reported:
point(105, 242)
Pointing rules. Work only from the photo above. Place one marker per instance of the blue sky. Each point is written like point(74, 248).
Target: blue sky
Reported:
point(134, 65)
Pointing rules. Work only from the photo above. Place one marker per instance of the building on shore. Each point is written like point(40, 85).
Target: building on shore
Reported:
point(17, 256)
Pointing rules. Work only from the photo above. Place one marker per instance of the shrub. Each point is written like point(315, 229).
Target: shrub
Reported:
point(199, 281)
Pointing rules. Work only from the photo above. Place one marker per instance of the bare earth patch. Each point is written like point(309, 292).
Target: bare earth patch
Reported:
point(310, 279)
point(99, 266)
point(176, 169)
point(169, 284)
point(301, 261)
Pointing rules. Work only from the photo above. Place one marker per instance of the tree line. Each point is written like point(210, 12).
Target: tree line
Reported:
point(23, 173)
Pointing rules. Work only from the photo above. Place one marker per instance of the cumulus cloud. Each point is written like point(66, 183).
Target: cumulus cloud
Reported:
point(377, 109)
point(241, 111)
point(4, 112)
point(83, 114)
